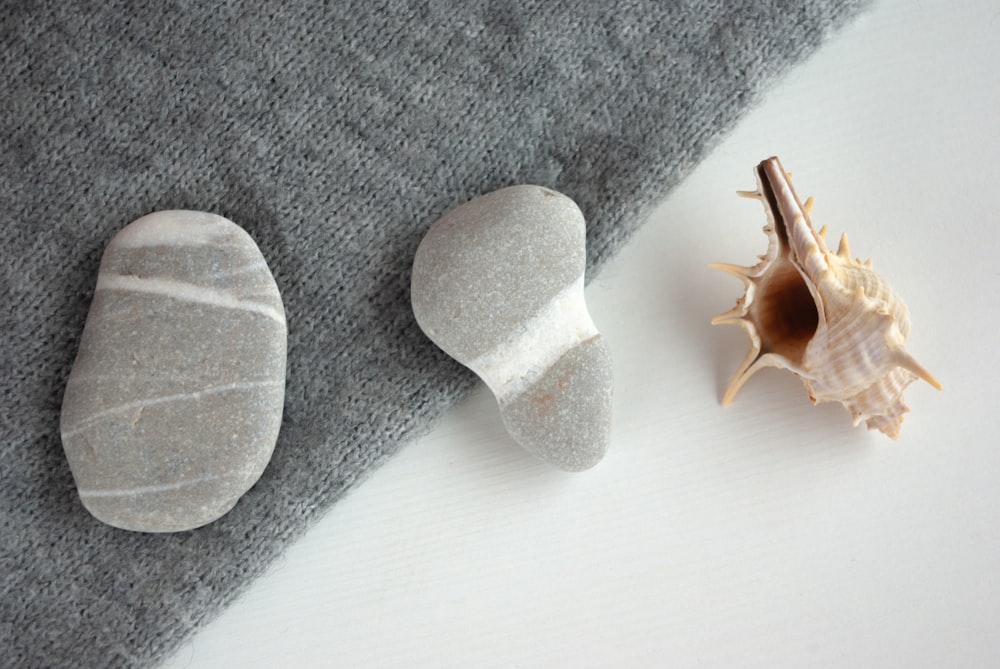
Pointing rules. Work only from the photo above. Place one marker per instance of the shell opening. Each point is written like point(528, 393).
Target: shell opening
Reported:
point(785, 313)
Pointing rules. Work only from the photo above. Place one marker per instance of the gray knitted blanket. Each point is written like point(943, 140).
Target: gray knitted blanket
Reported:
point(335, 134)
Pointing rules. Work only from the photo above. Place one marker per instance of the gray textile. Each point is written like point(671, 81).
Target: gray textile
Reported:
point(335, 135)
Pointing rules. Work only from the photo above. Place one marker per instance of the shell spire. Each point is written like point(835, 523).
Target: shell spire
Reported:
point(829, 319)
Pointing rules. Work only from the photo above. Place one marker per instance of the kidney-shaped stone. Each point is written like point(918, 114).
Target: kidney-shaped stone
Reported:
point(497, 283)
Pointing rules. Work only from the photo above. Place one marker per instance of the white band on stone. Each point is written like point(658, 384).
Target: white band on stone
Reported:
point(188, 292)
point(516, 363)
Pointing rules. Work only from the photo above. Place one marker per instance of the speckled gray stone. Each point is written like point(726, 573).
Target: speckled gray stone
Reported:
point(173, 406)
point(497, 283)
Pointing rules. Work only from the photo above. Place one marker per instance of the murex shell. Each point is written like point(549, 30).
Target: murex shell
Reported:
point(827, 318)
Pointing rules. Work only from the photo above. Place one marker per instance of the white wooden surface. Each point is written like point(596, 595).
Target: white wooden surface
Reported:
point(767, 534)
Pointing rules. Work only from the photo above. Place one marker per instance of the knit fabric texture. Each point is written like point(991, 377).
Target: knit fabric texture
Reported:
point(335, 134)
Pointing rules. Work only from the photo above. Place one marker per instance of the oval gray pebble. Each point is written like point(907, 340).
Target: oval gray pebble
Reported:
point(173, 406)
point(497, 283)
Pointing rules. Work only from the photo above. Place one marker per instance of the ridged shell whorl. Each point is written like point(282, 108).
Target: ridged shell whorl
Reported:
point(824, 316)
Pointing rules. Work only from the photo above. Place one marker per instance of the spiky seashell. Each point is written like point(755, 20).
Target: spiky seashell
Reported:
point(824, 316)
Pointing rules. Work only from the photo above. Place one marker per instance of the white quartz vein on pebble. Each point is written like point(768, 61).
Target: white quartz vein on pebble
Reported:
point(152, 401)
point(515, 364)
point(182, 290)
point(172, 228)
point(149, 489)
point(243, 269)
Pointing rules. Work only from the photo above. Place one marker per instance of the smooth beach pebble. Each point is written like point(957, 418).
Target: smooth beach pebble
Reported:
point(498, 284)
point(173, 406)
